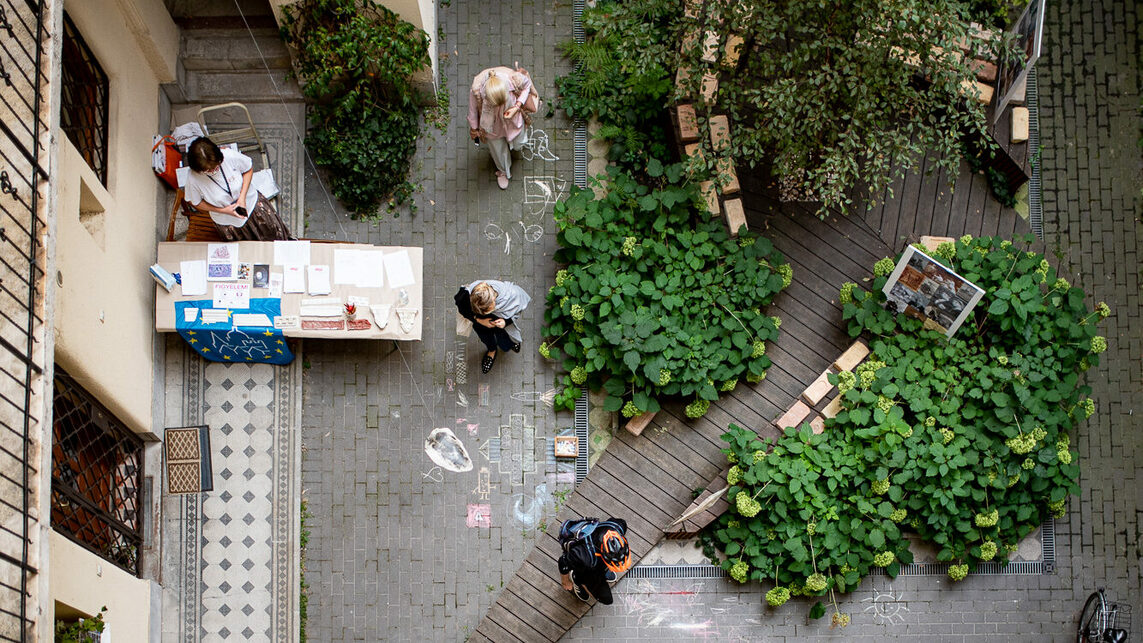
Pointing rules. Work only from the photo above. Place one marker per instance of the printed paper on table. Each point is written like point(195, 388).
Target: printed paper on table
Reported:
point(235, 296)
point(319, 280)
point(293, 278)
point(193, 274)
point(399, 268)
point(292, 253)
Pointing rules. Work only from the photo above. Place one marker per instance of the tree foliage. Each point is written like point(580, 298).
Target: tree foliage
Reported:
point(844, 95)
point(356, 60)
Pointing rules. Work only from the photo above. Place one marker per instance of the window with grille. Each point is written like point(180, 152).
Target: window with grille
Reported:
point(97, 476)
point(84, 98)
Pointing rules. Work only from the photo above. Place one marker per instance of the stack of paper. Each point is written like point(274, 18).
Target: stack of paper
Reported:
point(319, 280)
point(293, 278)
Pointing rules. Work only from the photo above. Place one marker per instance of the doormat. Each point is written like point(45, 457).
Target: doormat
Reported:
point(187, 454)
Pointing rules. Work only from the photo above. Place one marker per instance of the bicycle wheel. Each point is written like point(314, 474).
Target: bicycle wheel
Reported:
point(1089, 625)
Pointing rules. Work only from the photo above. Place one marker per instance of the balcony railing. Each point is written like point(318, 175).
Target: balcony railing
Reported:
point(23, 159)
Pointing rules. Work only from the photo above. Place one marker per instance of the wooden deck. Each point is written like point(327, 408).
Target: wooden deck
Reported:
point(649, 479)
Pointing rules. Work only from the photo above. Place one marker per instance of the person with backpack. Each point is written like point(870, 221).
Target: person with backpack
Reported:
point(595, 553)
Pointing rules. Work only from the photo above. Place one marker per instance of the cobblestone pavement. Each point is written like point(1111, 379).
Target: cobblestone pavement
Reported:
point(391, 555)
point(1089, 101)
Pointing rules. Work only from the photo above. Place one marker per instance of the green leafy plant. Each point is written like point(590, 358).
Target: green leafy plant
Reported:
point(303, 595)
point(83, 630)
point(845, 98)
point(657, 300)
point(356, 60)
point(623, 76)
point(964, 441)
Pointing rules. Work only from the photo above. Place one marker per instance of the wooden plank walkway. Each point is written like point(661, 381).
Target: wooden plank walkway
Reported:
point(649, 479)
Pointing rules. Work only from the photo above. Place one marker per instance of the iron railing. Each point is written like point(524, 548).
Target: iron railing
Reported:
point(83, 100)
point(24, 41)
point(97, 476)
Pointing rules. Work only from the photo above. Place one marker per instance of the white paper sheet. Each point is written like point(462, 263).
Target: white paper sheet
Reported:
point(275, 285)
point(189, 315)
point(360, 301)
point(346, 266)
point(215, 315)
point(236, 296)
point(251, 319)
point(193, 274)
point(399, 268)
point(372, 269)
point(293, 278)
point(285, 322)
point(292, 253)
point(318, 279)
point(336, 310)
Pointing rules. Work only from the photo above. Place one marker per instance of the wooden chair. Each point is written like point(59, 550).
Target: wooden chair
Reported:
point(201, 226)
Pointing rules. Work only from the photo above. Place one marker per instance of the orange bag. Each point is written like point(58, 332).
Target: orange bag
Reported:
point(166, 159)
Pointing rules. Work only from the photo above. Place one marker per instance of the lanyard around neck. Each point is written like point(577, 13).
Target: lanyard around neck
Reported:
point(225, 183)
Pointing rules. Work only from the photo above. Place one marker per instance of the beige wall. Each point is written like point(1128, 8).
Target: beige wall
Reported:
point(86, 582)
point(105, 238)
point(420, 13)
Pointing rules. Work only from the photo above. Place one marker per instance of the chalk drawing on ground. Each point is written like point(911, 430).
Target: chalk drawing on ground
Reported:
point(479, 516)
point(537, 146)
point(483, 484)
point(433, 475)
point(887, 607)
point(542, 192)
point(528, 512)
point(514, 450)
point(447, 451)
point(547, 397)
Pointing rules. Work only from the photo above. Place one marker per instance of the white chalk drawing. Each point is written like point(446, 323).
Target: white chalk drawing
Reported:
point(528, 512)
point(461, 400)
point(492, 232)
point(484, 395)
point(485, 449)
point(537, 146)
point(447, 451)
point(514, 450)
point(449, 357)
point(542, 192)
point(433, 475)
point(887, 607)
point(547, 397)
point(483, 484)
point(652, 607)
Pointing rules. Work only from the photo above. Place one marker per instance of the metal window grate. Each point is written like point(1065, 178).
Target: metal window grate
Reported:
point(83, 100)
point(97, 476)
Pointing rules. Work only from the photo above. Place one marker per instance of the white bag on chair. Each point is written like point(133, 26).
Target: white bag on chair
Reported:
point(463, 326)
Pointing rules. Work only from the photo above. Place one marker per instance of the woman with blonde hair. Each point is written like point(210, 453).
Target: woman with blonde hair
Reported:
point(496, 115)
point(493, 307)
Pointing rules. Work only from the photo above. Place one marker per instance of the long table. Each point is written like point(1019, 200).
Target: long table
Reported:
point(176, 312)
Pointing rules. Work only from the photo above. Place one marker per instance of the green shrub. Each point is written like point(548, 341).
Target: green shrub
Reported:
point(356, 60)
point(937, 434)
point(656, 301)
point(624, 74)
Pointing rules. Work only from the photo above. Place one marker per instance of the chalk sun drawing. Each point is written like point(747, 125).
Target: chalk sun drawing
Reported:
point(886, 607)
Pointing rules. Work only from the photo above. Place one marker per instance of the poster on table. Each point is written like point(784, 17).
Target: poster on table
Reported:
point(924, 289)
point(1011, 74)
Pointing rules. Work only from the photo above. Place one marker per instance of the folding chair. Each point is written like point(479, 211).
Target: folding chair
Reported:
point(201, 226)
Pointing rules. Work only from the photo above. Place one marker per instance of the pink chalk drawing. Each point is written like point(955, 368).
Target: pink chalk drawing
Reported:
point(473, 428)
point(479, 516)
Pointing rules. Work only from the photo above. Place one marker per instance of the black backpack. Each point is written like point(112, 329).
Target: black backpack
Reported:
point(580, 531)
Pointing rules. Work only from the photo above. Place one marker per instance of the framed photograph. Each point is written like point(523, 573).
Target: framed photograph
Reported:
point(924, 289)
point(1029, 32)
point(261, 275)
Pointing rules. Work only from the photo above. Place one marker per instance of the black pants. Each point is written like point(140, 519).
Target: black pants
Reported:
point(493, 338)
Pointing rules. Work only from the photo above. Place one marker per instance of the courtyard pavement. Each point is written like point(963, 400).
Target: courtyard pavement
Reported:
point(402, 550)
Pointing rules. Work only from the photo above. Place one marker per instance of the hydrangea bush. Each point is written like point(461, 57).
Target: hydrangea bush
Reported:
point(963, 441)
point(657, 299)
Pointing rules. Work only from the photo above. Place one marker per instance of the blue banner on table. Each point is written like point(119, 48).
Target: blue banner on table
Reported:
point(224, 342)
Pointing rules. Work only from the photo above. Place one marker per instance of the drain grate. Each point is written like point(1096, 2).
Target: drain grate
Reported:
point(1035, 195)
point(581, 436)
point(659, 572)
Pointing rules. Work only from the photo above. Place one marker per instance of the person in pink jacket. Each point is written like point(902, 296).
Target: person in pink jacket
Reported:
point(496, 115)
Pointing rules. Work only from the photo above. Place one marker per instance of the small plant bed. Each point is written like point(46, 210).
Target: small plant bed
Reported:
point(963, 441)
point(356, 61)
point(657, 299)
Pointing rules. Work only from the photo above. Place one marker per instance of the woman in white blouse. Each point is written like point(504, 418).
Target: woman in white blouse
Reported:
point(219, 185)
